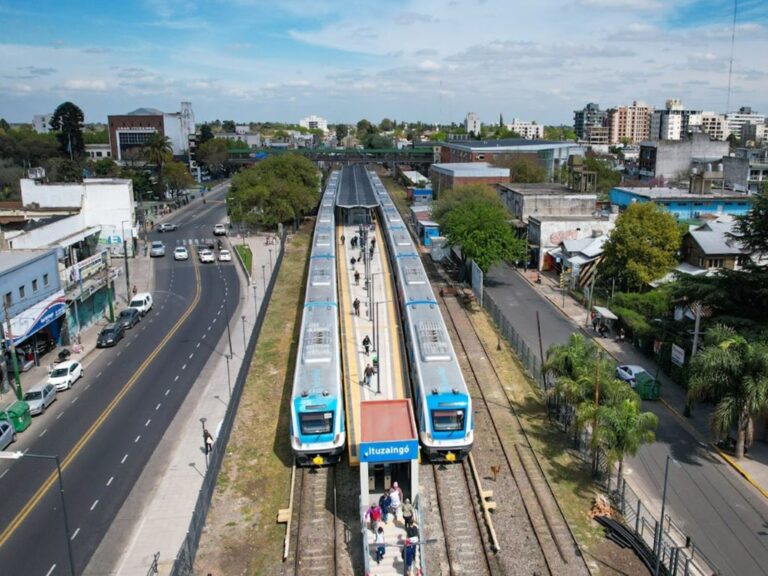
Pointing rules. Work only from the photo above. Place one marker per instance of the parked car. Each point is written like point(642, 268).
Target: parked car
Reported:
point(167, 227)
point(180, 253)
point(129, 317)
point(40, 397)
point(65, 374)
point(7, 434)
point(157, 249)
point(206, 256)
point(629, 373)
point(142, 302)
point(225, 256)
point(219, 230)
point(110, 335)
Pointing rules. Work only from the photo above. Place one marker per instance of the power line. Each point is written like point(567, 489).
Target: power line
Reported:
point(730, 63)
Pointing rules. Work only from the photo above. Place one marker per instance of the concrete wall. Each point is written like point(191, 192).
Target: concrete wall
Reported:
point(525, 205)
point(36, 269)
point(675, 157)
point(548, 234)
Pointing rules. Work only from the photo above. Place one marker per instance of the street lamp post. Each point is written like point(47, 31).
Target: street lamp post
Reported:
point(229, 335)
point(205, 444)
point(659, 538)
point(270, 261)
point(125, 254)
point(255, 303)
point(229, 380)
point(243, 318)
point(264, 278)
point(18, 455)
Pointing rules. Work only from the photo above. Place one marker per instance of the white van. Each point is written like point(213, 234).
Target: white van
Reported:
point(142, 302)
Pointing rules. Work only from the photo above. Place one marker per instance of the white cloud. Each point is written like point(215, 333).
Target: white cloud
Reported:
point(85, 85)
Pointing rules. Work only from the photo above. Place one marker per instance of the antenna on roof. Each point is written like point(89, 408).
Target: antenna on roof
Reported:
point(730, 63)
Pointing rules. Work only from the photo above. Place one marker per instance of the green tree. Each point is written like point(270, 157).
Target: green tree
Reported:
point(377, 141)
point(67, 123)
point(10, 175)
point(64, 170)
point(642, 247)
point(206, 133)
point(177, 178)
point(752, 228)
point(279, 189)
point(559, 133)
point(214, 154)
point(607, 177)
point(142, 185)
point(4, 126)
point(480, 225)
point(733, 373)
point(365, 129)
point(386, 125)
point(523, 168)
point(342, 130)
point(228, 126)
point(96, 136)
point(105, 167)
point(158, 151)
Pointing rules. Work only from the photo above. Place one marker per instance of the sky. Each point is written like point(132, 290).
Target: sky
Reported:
point(343, 60)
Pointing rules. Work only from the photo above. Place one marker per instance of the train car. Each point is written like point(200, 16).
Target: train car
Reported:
point(317, 402)
point(443, 406)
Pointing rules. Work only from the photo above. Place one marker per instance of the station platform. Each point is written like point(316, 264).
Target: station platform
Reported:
point(378, 320)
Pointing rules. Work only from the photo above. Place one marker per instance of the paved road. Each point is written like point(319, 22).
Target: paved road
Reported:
point(726, 517)
point(106, 444)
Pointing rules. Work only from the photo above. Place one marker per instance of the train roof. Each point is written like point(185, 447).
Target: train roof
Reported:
point(356, 190)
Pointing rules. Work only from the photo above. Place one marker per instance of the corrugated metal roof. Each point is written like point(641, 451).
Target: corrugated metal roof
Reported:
point(471, 170)
point(356, 190)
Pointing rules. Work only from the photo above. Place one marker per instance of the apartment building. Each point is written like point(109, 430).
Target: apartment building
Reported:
point(590, 115)
point(674, 121)
point(526, 130)
point(472, 123)
point(314, 123)
point(629, 124)
point(737, 120)
point(715, 125)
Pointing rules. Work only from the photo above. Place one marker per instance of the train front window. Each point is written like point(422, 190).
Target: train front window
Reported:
point(447, 420)
point(316, 422)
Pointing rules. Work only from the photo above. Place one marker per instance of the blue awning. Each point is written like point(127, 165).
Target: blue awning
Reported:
point(35, 318)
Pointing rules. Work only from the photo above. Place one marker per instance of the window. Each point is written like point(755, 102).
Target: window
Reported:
point(34, 285)
point(447, 420)
point(316, 422)
point(8, 298)
point(22, 290)
point(45, 279)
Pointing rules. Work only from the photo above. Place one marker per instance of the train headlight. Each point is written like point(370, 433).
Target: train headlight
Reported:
point(450, 457)
point(318, 460)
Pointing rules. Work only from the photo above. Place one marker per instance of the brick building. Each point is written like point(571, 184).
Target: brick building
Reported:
point(455, 175)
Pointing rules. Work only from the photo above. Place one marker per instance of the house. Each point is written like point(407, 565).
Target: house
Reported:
point(581, 256)
point(454, 175)
point(547, 233)
point(525, 200)
point(708, 247)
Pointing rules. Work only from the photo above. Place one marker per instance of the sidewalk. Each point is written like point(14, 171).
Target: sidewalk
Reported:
point(155, 517)
point(753, 467)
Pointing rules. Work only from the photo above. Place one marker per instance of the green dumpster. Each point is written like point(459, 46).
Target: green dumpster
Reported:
point(647, 387)
point(18, 414)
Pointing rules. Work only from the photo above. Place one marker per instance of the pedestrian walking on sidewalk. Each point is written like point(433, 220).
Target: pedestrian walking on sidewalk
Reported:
point(367, 375)
point(356, 306)
point(371, 252)
point(384, 503)
point(208, 440)
point(367, 345)
point(357, 278)
point(408, 513)
point(374, 515)
point(373, 242)
point(343, 239)
point(380, 545)
point(409, 553)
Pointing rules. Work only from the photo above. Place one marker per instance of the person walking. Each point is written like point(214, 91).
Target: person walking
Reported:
point(367, 375)
point(384, 502)
point(395, 499)
point(343, 239)
point(367, 345)
point(409, 553)
point(371, 252)
point(208, 439)
point(356, 306)
point(408, 513)
point(380, 545)
point(373, 514)
point(357, 278)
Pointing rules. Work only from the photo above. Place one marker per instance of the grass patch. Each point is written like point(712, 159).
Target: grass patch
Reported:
point(246, 256)
point(241, 535)
point(570, 479)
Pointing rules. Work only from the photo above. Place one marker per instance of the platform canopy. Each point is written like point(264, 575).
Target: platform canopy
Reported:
point(355, 190)
point(388, 431)
point(605, 313)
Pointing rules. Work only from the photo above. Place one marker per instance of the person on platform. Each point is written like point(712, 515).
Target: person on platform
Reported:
point(367, 345)
point(384, 503)
point(367, 375)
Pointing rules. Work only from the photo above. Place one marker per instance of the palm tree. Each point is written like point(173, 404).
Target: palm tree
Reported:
point(158, 150)
point(733, 374)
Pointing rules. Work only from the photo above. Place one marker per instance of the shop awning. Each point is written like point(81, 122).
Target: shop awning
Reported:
point(605, 313)
point(35, 318)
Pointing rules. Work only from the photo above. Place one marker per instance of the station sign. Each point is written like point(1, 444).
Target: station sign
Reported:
point(394, 451)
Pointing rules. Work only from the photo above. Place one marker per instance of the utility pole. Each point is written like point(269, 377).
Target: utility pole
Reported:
point(14, 360)
point(595, 461)
point(109, 292)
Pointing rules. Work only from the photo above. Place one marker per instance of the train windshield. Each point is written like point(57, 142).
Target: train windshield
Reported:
point(447, 420)
point(316, 422)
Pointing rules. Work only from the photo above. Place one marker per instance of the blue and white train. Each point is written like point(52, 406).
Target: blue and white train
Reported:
point(317, 406)
point(443, 406)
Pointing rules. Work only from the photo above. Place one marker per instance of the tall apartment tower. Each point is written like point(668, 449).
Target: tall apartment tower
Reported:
point(629, 123)
point(589, 116)
point(737, 120)
point(674, 121)
point(472, 123)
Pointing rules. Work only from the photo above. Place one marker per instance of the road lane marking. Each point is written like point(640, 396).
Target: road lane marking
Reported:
point(147, 423)
point(110, 480)
point(184, 367)
point(95, 503)
point(109, 363)
point(176, 379)
point(25, 511)
point(128, 344)
point(87, 386)
point(209, 328)
point(99, 374)
point(137, 439)
point(124, 459)
point(75, 399)
point(4, 473)
point(43, 433)
point(204, 335)
point(167, 391)
point(160, 403)
point(74, 535)
point(60, 415)
point(198, 344)
point(191, 355)
point(51, 570)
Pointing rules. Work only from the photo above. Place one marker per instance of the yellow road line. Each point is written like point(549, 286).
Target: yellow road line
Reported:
point(352, 376)
point(38, 495)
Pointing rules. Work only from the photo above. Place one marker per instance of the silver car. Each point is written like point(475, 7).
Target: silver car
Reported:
point(7, 434)
point(157, 249)
point(40, 397)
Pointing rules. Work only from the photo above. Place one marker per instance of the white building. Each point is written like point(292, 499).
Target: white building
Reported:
point(472, 123)
point(98, 151)
point(41, 123)
point(736, 120)
point(314, 123)
point(674, 121)
point(527, 130)
point(714, 125)
point(134, 129)
point(243, 134)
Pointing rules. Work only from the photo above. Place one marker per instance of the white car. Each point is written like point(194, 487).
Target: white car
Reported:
point(206, 256)
point(7, 434)
point(219, 230)
point(225, 256)
point(40, 397)
point(180, 253)
point(629, 373)
point(65, 374)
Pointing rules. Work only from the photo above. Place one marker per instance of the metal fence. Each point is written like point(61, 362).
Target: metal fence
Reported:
point(185, 559)
point(679, 555)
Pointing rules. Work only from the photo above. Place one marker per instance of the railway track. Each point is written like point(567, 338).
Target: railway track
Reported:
point(532, 530)
point(316, 541)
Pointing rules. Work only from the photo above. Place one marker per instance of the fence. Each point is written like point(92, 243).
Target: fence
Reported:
point(185, 559)
point(679, 555)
